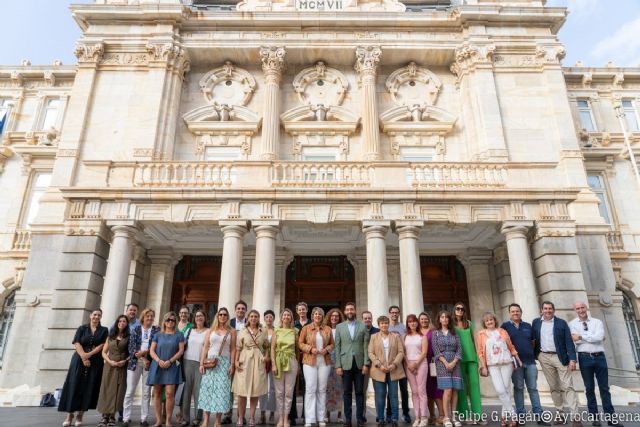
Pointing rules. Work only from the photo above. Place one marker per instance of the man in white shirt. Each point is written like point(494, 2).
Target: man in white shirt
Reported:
point(588, 335)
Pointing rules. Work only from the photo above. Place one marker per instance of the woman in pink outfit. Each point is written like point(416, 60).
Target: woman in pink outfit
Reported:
point(415, 356)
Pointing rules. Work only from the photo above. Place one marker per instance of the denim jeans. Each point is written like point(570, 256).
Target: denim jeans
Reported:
point(528, 374)
point(591, 366)
point(381, 388)
point(404, 395)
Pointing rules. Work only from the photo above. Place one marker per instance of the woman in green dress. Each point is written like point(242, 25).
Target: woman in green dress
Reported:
point(468, 367)
point(284, 353)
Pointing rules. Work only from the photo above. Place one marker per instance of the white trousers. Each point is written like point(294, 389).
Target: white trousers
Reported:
point(315, 396)
point(133, 377)
point(501, 379)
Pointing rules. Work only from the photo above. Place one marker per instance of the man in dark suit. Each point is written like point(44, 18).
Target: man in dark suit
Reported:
point(556, 353)
point(352, 362)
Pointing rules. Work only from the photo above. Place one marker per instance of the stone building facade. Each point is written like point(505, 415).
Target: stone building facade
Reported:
point(414, 154)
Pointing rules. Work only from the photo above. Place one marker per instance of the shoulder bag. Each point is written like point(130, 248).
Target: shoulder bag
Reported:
point(212, 363)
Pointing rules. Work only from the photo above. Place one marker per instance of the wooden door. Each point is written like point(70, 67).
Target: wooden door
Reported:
point(322, 281)
point(196, 284)
point(444, 283)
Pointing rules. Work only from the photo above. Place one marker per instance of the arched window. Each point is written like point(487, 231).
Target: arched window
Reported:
point(6, 319)
point(633, 326)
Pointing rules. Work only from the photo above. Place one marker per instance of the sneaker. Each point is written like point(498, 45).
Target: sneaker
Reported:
point(407, 419)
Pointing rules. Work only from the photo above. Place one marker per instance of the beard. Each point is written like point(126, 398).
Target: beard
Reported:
point(351, 316)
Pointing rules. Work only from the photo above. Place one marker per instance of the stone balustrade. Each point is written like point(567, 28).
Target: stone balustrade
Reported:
point(614, 241)
point(458, 175)
point(300, 174)
point(22, 241)
point(195, 174)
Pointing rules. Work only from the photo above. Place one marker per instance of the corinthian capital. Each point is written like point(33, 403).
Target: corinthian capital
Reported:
point(367, 58)
point(272, 59)
point(89, 52)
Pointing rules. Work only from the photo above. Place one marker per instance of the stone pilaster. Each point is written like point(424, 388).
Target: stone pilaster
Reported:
point(265, 266)
point(163, 262)
point(367, 59)
point(135, 281)
point(115, 281)
point(524, 286)
point(557, 265)
point(82, 266)
point(502, 272)
point(273, 66)
point(231, 274)
point(377, 280)
point(479, 283)
point(410, 274)
point(605, 301)
point(474, 67)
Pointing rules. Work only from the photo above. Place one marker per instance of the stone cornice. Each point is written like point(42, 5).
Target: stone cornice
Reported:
point(87, 14)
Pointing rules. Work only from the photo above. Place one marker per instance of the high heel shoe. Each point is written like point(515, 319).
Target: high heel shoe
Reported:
point(67, 422)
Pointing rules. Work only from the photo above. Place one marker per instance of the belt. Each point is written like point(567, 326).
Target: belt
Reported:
point(594, 354)
point(548, 352)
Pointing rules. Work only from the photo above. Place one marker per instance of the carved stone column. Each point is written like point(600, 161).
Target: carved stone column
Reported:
point(115, 281)
point(265, 267)
point(377, 281)
point(367, 59)
point(524, 286)
point(410, 275)
point(272, 66)
point(231, 274)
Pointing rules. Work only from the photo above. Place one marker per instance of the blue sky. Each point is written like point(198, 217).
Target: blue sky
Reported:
point(596, 31)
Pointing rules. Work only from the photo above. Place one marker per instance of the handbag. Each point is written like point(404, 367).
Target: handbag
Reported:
point(432, 368)
point(212, 363)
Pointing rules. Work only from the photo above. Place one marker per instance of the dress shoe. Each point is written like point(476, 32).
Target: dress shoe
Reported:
point(407, 419)
point(226, 420)
point(576, 424)
point(347, 424)
point(544, 423)
point(382, 425)
point(395, 424)
point(615, 423)
point(596, 424)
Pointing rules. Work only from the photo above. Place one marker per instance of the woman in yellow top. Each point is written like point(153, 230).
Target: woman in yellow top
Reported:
point(252, 356)
point(284, 353)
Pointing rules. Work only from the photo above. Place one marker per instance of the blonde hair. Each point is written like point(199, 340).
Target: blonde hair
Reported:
point(488, 315)
point(145, 312)
point(318, 310)
point(216, 322)
point(286, 310)
point(164, 320)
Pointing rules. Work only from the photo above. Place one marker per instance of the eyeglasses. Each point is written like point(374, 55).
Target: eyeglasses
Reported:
point(223, 314)
point(585, 326)
point(170, 320)
point(460, 309)
point(394, 312)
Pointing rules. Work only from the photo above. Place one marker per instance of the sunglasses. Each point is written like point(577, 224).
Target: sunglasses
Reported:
point(223, 314)
point(585, 326)
point(170, 320)
point(460, 309)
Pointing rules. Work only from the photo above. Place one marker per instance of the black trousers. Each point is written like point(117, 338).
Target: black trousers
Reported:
point(404, 395)
point(353, 380)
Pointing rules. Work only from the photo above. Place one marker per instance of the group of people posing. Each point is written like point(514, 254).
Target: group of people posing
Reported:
point(331, 357)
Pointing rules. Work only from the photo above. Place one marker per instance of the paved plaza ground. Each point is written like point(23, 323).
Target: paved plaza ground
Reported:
point(32, 417)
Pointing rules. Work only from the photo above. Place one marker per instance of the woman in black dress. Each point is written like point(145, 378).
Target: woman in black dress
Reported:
point(82, 386)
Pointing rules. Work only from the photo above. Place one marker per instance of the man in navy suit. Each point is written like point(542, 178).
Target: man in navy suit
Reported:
point(556, 353)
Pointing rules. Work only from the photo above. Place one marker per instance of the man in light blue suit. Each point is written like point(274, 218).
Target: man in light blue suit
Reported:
point(352, 362)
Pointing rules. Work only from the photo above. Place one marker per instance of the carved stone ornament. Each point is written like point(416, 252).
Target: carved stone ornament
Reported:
point(413, 86)
point(89, 52)
point(470, 55)
point(318, 6)
point(272, 60)
point(367, 59)
point(228, 85)
point(320, 85)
